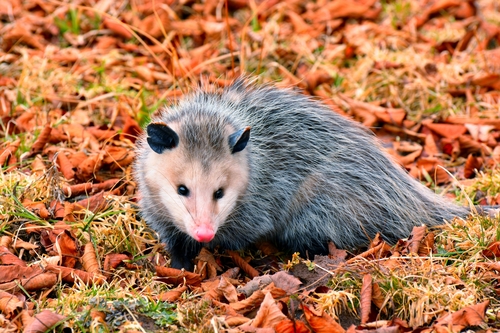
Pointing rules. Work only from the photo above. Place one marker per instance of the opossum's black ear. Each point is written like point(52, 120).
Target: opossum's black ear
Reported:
point(161, 137)
point(239, 139)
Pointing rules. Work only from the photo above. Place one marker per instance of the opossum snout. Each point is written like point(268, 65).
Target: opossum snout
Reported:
point(204, 233)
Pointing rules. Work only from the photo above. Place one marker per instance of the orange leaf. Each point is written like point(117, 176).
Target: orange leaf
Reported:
point(113, 260)
point(43, 321)
point(171, 295)
point(473, 315)
point(241, 263)
point(89, 259)
point(366, 298)
point(176, 276)
point(269, 314)
point(70, 275)
point(417, 235)
point(67, 248)
point(492, 251)
point(37, 207)
point(248, 304)
point(8, 258)
point(321, 323)
point(117, 27)
point(65, 166)
point(472, 165)
point(447, 130)
point(95, 203)
point(8, 151)
point(36, 282)
point(288, 326)
point(14, 272)
point(9, 304)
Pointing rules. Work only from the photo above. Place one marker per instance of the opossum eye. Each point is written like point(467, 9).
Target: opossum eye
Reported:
point(183, 190)
point(218, 194)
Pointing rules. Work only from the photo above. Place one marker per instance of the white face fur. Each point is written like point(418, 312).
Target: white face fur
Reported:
point(196, 198)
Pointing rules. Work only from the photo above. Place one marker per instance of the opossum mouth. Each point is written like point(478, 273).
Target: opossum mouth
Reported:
point(203, 233)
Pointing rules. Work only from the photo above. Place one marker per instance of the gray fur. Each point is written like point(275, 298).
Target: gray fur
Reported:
point(314, 176)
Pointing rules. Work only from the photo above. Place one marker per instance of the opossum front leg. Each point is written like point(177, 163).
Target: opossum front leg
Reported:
point(182, 252)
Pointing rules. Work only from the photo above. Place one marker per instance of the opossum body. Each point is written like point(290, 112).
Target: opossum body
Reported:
point(303, 177)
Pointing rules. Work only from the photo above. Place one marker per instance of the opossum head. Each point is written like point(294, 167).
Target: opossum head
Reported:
point(198, 173)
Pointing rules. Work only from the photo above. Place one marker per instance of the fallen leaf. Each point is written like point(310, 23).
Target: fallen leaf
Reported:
point(252, 272)
point(321, 323)
point(171, 295)
point(492, 251)
point(472, 165)
point(43, 321)
point(177, 277)
point(473, 315)
point(288, 326)
point(448, 131)
point(366, 298)
point(268, 315)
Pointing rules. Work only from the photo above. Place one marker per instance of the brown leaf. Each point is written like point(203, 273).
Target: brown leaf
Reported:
point(94, 203)
point(448, 131)
point(70, 275)
point(43, 321)
point(36, 282)
point(171, 295)
point(89, 259)
point(430, 147)
point(113, 260)
point(102, 134)
point(299, 25)
point(10, 273)
point(85, 170)
point(131, 130)
point(470, 146)
point(241, 263)
point(117, 27)
point(20, 244)
point(8, 258)
point(379, 251)
point(387, 115)
point(287, 282)
point(228, 290)
point(10, 305)
point(472, 165)
point(7, 152)
point(490, 80)
point(366, 298)
point(67, 248)
point(427, 245)
point(248, 304)
point(493, 250)
point(269, 313)
point(416, 237)
point(89, 188)
point(117, 157)
point(177, 277)
point(377, 297)
point(473, 315)
point(322, 323)
point(65, 166)
point(288, 326)
point(156, 24)
point(41, 141)
point(37, 207)
point(206, 259)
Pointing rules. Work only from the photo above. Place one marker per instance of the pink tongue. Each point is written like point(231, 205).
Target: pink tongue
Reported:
point(204, 233)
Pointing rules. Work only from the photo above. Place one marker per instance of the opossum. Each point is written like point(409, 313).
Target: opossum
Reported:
point(247, 163)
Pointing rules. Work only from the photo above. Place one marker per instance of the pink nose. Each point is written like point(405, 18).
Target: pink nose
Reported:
point(204, 233)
